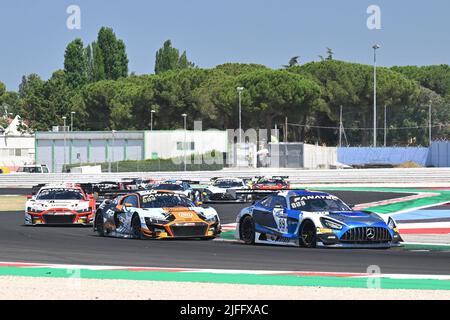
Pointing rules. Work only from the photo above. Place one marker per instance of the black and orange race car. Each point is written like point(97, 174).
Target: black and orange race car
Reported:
point(155, 214)
point(60, 204)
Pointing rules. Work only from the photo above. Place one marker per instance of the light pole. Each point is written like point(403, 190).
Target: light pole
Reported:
point(64, 118)
point(113, 144)
point(240, 90)
point(429, 122)
point(71, 120)
point(385, 126)
point(184, 115)
point(375, 47)
point(151, 119)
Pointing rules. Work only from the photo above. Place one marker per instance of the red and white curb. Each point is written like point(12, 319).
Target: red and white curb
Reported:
point(224, 271)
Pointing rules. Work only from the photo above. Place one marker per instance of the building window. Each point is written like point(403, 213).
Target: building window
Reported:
point(190, 146)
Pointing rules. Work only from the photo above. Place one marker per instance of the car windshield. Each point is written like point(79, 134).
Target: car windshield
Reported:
point(30, 170)
point(168, 186)
point(227, 184)
point(318, 203)
point(60, 194)
point(165, 201)
point(270, 182)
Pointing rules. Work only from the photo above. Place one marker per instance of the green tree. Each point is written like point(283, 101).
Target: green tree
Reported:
point(113, 53)
point(98, 66)
point(436, 78)
point(351, 85)
point(2, 89)
point(168, 58)
point(76, 64)
point(33, 105)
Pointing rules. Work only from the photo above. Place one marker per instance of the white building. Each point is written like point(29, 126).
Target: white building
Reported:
point(16, 148)
point(55, 148)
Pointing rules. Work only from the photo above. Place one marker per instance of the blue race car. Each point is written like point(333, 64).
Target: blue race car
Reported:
point(309, 219)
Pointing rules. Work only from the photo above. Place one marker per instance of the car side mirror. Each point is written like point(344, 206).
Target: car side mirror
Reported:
point(119, 207)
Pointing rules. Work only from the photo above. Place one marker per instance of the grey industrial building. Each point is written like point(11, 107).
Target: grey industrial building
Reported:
point(56, 148)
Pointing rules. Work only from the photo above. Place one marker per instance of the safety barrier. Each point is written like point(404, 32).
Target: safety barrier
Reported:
point(347, 176)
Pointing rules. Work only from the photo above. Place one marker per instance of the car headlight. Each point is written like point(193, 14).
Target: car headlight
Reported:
point(212, 219)
point(151, 221)
point(391, 223)
point(85, 210)
point(331, 224)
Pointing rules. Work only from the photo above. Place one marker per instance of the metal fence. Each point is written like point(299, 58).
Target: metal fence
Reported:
point(423, 176)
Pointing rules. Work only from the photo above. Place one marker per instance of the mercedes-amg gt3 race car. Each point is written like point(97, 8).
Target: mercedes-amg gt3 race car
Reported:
point(220, 190)
point(60, 204)
point(310, 219)
point(155, 214)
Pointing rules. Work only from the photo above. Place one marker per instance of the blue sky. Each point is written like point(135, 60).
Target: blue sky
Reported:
point(34, 33)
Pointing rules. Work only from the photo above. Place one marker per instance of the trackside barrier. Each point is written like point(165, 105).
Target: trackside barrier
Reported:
point(348, 176)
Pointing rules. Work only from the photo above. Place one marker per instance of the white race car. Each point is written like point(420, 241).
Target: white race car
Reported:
point(220, 189)
point(60, 204)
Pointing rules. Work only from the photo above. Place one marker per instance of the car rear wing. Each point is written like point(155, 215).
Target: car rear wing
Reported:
point(35, 189)
point(280, 177)
point(251, 195)
point(190, 181)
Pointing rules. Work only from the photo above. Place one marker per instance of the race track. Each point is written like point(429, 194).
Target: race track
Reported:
point(77, 245)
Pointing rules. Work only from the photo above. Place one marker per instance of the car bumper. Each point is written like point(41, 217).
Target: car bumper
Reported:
point(181, 231)
point(59, 218)
point(330, 239)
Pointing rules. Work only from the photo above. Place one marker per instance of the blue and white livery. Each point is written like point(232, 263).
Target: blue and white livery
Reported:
point(309, 219)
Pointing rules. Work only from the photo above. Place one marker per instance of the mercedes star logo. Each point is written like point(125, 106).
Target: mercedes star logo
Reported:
point(370, 233)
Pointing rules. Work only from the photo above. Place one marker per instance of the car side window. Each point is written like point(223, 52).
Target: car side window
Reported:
point(279, 201)
point(266, 202)
point(132, 200)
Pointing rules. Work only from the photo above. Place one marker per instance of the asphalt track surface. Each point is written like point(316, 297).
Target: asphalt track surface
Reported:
point(78, 245)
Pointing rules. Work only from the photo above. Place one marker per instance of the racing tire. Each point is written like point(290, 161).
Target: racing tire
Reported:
point(99, 225)
point(136, 227)
point(247, 230)
point(308, 235)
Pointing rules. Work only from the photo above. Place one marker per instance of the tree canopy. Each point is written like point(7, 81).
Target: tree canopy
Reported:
point(95, 84)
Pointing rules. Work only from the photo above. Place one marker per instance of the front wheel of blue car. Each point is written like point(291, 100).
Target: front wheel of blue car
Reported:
point(247, 230)
point(308, 235)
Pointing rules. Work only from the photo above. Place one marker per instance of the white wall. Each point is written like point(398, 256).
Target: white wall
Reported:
point(10, 148)
point(165, 143)
point(316, 157)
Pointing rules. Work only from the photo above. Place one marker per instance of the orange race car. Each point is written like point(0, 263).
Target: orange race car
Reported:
point(155, 214)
